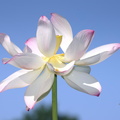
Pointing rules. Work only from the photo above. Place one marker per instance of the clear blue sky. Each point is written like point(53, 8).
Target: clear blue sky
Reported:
point(18, 19)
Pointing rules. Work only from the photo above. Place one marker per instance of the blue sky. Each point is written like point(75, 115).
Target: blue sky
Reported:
point(19, 20)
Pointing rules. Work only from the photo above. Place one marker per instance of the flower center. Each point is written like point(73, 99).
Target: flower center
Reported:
point(54, 58)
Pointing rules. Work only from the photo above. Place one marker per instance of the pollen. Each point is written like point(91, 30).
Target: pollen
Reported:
point(56, 70)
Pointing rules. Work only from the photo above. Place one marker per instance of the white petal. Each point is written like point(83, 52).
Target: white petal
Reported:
point(25, 61)
point(61, 70)
point(63, 28)
point(39, 88)
point(83, 82)
point(27, 50)
point(19, 79)
point(98, 54)
point(32, 44)
point(79, 45)
point(11, 48)
point(46, 38)
point(85, 69)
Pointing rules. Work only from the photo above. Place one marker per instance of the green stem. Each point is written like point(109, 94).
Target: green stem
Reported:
point(54, 99)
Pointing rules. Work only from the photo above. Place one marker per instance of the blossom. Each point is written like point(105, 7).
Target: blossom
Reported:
point(39, 61)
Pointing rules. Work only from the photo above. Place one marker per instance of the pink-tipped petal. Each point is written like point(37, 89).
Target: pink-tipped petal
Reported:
point(32, 44)
point(19, 79)
point(25, 61)
point(83, 82)
point(79, 45)
point(98, 54)
point(46, 38)
point(63, 28)
point(30, 102)
point(38, 89)
point(11, 48)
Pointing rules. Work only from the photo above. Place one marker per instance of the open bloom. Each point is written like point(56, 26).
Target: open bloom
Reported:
point(39, 60)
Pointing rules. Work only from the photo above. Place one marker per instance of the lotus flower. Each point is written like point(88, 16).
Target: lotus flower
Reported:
point(39, 61)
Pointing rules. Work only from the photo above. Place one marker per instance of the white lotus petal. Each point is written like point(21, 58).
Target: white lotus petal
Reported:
point(39, 88)
point(19, 79)
point(34, 102)
point(85, 69)
point(32, 44)
point(83, 82)
point(27, 50)
point(63, 28)
point(25, 61)
point(11, 48)
point(98, 54)
point(79, 45)
point(46, 38)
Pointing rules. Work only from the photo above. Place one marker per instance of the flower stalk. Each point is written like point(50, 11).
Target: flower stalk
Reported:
point(54, 99)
